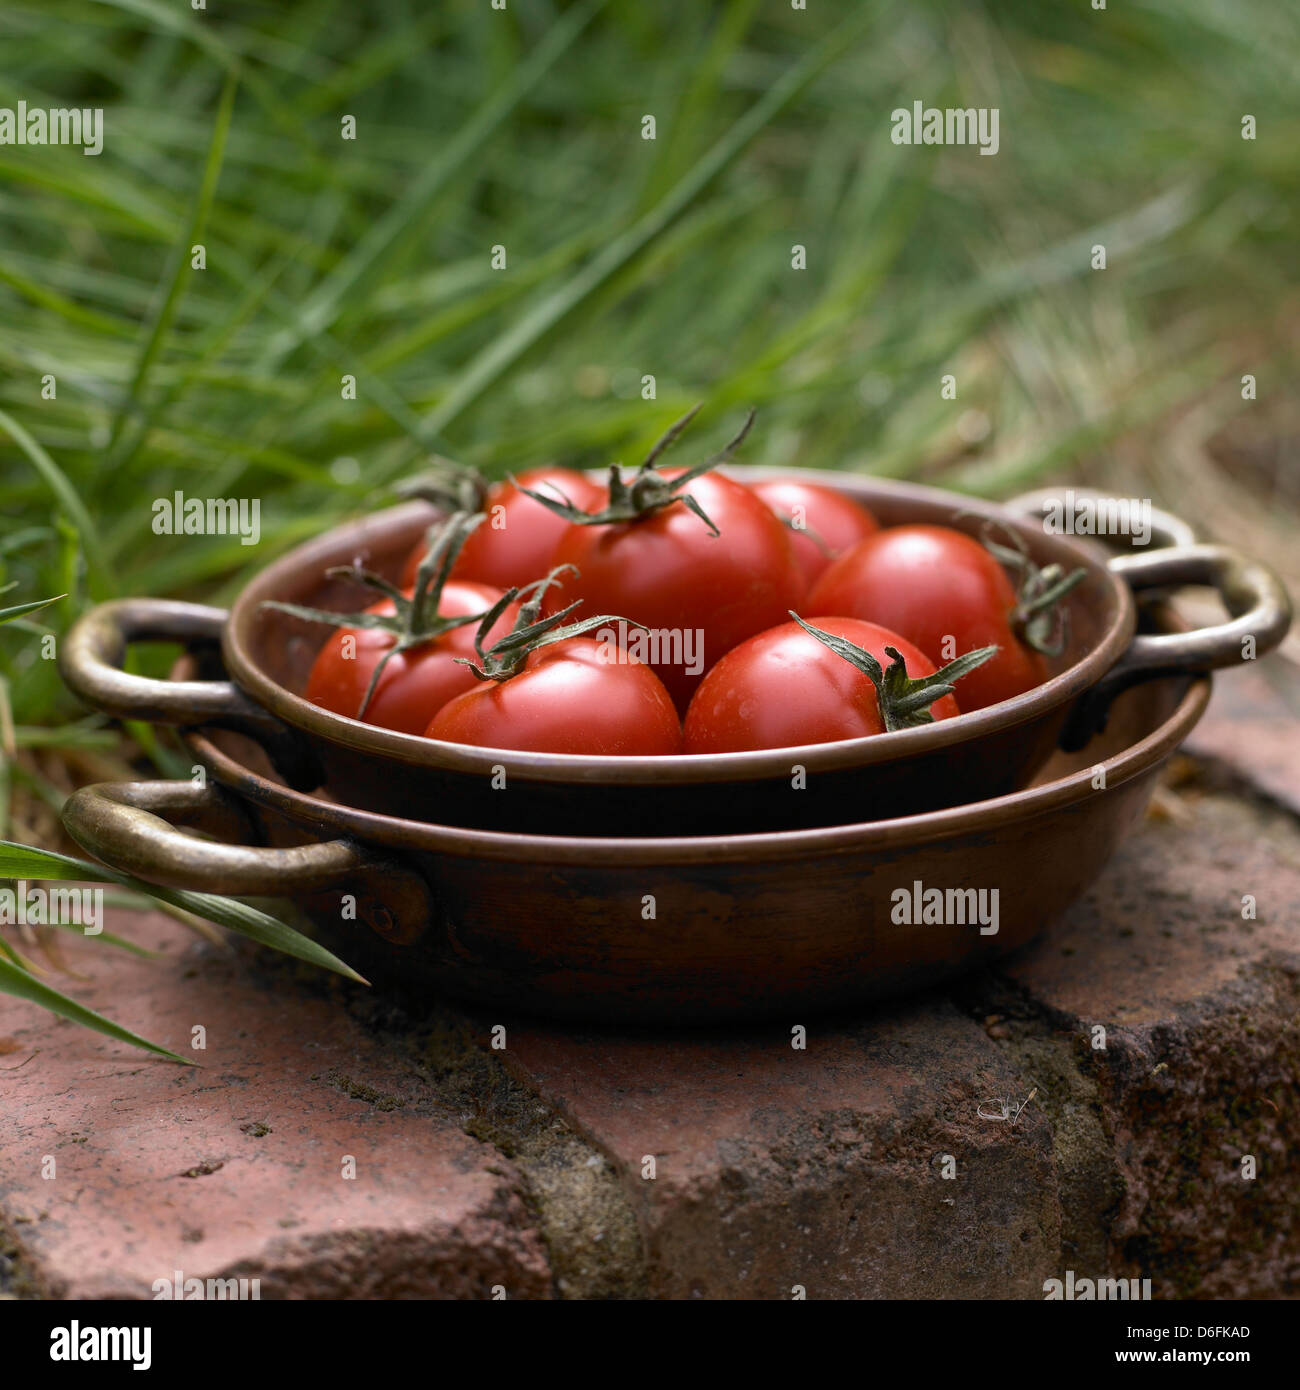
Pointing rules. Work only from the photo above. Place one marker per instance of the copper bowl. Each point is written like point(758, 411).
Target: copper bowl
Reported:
point(982, 754)
point(665, 931)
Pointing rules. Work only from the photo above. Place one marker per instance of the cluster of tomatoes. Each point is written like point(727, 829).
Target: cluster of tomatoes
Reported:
point(812, 622)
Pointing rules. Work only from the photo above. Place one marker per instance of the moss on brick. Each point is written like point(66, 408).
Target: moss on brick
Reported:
point(584, 1216)
point(17, 1278)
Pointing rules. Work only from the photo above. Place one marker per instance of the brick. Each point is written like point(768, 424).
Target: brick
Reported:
point(777, 1168)
point(1202, 1046)
point(234, 1168)
point(1253, 726)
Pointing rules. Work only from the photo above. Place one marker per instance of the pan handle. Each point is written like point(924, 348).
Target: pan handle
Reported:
point(1255, 598)
point(91, 657)
point(131, 826)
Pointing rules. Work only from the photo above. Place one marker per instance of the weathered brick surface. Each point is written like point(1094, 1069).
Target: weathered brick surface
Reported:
point(1201, 1011)
point(775, 1167)
point(1253, 725)
point(820, 1168)
point(235, 1168)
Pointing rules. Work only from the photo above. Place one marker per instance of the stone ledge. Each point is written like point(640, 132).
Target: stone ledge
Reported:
point(820, 1168)
point(235, 1168)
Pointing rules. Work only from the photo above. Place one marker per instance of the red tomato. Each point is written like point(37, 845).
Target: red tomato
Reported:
point(416, 683)
point(667, 571)
point(513, 545)
point(570, 697)
point(931, 583)
point(833, 519)
point(784, 688)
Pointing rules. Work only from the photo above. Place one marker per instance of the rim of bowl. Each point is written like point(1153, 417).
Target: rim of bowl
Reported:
point(377, 532)
point(384, 832)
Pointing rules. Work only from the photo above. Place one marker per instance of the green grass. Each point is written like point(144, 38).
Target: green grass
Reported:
point(625, 257)
point(20, 976)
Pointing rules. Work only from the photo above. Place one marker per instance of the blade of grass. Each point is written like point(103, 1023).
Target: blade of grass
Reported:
point(68, 496)
point(7, 615)
point(504, 351)
point(66, 308)
point(18, 983)
point(23, 861)
point(323, 305)
point(177, 278)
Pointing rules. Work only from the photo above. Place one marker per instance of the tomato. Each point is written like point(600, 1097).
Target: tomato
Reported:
point(572, 696)
point(700, 594)
point(784, 688)
point(821, 521)
point(415, 683)
point(931, 583)
point(513, 546)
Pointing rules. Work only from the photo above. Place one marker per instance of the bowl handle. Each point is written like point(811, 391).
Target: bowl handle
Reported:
point(91, 657)
point(1256, 599)
point(131, 826)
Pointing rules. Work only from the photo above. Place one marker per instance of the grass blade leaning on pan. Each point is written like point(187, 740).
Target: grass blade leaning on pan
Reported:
point(25, 862)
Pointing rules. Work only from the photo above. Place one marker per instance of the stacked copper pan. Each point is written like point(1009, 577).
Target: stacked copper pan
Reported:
point(663, 890)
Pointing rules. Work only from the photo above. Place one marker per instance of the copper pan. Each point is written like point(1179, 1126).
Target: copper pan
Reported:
point(983, 754)
point(665, 931)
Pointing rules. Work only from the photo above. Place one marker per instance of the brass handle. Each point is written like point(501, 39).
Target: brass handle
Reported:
point(1254, 596)
point(131, 826)
point(90, 663)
